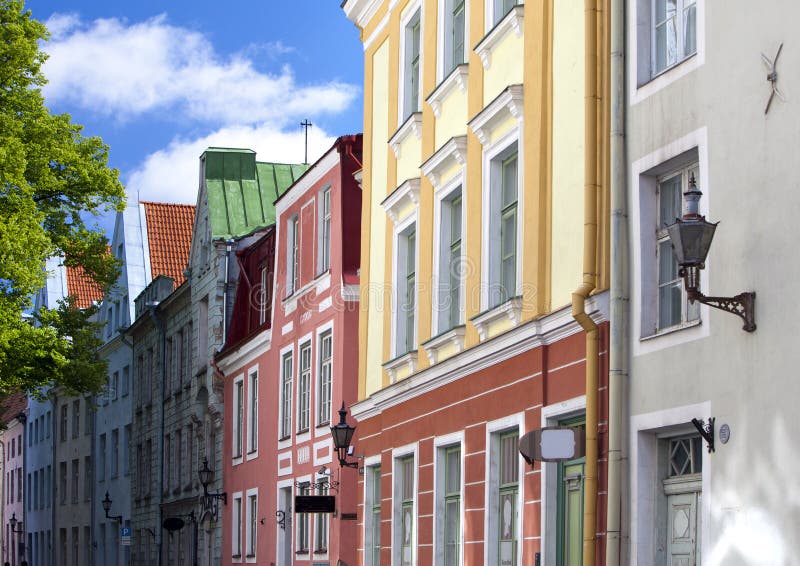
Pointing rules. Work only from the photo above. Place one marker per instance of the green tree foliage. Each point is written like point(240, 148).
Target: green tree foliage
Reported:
point(51, 179)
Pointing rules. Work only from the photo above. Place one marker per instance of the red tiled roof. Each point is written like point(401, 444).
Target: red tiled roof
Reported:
point(11, 406)
point(81, 286)
point(169, 233)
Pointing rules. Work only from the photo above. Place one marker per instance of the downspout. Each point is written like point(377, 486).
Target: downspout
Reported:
point(55, 505)
point(3, 468)
point(590, 231)
point(93, 498)
point(228, 246)
point(162, 330)
point(618, 341)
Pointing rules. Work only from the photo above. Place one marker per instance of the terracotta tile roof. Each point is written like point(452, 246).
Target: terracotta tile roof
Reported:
point(11, 406)
point(169, 234)
point(80, 286)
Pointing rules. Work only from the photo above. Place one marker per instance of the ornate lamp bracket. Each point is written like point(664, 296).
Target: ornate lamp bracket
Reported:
point(742, 305)
point(706, 431)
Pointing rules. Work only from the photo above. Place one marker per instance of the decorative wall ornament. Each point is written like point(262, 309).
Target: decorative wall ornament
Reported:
point(772, 77)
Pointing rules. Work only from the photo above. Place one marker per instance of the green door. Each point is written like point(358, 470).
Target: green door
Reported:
point(570, 508)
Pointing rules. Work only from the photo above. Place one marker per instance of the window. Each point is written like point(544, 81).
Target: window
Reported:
point(293, 256)
point(88, 422)
point(167, 462)
point(406, 290)
point(304, 388)
point(507, 497)
point(263, 296)
point(325, 230)
point(236, 525)
point(189, 457)
point(75, 475)
point(148, 459)
point(252, 419)
point(500, 8)
point(325, 378)
point(404, 510)
point(674, 308)
point(150, 371)
point(503, 195)
point(169, 368)
point(450, 267)
point(302, 524)
point(114, 452)
point(49, 424)
point(113, 386)
point(187, 352)
point(126, 446)
point(674, 32)
point(179, 460)
point(63, 431)
point(87, 478)
point(286, 396)
point(411, 69)
point(252, 524)
point(101, 455)
point(202, 332)
point(372, 522)
point(238, 416)
point(321, 523)
point(448, 506)
point(454, 33)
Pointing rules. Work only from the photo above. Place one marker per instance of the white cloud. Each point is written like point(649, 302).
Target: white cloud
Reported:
point(125, 70)
point(171, 174)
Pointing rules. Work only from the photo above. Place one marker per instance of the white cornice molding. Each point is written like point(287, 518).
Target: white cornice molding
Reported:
point(456, 79)
point(454, 150)
point(512, 22)
point(310, 178)
point(508, 102)
point(413, 124)
point(408, 360)
point(246, 353)
point(454, 337)
point(407, 192)
point(360, 12)
point(544, 331)
point(511, 309)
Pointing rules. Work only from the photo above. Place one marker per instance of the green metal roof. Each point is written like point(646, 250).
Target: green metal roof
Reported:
point(241, 191)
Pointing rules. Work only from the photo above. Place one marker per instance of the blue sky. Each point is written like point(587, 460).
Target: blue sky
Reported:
point(160, 81)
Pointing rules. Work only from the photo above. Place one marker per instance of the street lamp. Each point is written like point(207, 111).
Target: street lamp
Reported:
point(13, 522)
point(206, 477)
point(342, 435)
point(691, 238)
point(107, 507)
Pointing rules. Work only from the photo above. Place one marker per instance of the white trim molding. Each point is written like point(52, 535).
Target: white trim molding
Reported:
point(511, 309)
point(412, 125)
point(453, 152)
point(456, 79)
point(453, 337)
point(508, 102)
point(407, 360)
point(407, 194)
point(511, 22)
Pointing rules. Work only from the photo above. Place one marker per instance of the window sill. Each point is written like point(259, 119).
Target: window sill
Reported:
point(302, 553)
point(401, 366)
point(668, 70)
point(671, 330)
point(510, 22)
point(321, 551)
point(456, 78)
point(447, 344)
point(320, 283)
point(486, 322)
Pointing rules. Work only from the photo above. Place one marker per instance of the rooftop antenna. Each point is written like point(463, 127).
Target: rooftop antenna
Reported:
point(305, 124)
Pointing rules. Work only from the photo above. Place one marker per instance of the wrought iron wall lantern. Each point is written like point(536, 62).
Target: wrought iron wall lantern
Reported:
point(691, 238)
point(13, 522)
point(206, 475)
point(107, 507)
point(342, 435)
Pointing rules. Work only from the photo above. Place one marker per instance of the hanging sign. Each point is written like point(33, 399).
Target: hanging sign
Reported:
point(552, 444)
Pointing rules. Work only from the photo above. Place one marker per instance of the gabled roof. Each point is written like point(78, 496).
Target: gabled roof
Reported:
point(241, 192)
point(169, 237)
point(80, 286)
point(11, 406)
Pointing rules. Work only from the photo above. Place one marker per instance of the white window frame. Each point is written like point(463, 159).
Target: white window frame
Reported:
point(236, 527)
point(321, 520)
point(398, 454)
point(252, 412)
point(399, 259)
point(237, 428)
point(325, 222)
point(370, 464)
point(646, 430)
point(445, 51)
point(494, 430)
point(262, 295)
point(493, 154)
point(285, 432)
point(292, 254)
point(320, 333)
point(304, 407)
point(491, 9)
point(307, 552)
point(643, 81)
point(691, 148)
point(411, 12)
point(251, 542)
point(441, 445)
point(441, 209)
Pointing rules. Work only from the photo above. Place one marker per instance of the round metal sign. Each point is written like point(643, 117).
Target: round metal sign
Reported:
point(724, 433)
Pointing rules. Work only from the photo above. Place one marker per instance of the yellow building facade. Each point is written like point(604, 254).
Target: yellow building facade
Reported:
point(484, 171)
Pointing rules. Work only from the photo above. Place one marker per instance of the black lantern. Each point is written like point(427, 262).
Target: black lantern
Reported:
point(691, 238)
point(13, 522)
point(342, 435)
point(107, 507)
point(206, 475)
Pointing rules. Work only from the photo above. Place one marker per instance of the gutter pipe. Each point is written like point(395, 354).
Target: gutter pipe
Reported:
point(590, 232)
point(618, 340)
point(162, 330)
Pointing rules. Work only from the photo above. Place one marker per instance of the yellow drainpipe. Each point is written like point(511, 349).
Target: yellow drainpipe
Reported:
point(590, 231)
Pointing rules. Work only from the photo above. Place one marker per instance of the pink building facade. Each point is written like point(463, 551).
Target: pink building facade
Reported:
point(285, 379)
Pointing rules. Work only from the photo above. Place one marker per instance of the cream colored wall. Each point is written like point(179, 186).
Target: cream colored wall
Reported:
point(377, 259)
point(505, 66)
point(568, 150)
point(409, 160)
point(452, 120)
